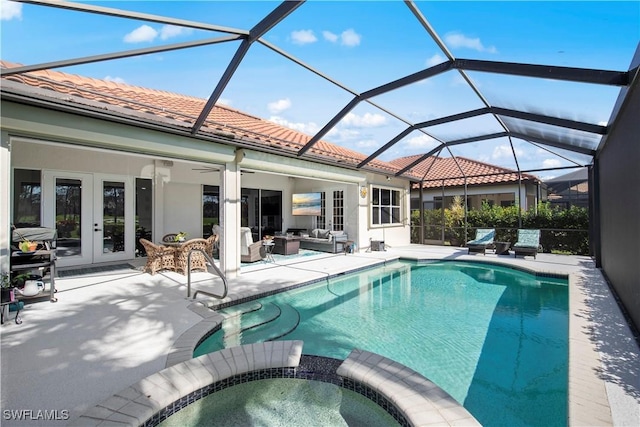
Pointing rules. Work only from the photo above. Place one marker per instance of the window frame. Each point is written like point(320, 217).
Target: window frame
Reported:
point(374, 190)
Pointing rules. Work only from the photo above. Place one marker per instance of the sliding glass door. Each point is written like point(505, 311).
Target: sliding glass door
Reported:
point(261, 210)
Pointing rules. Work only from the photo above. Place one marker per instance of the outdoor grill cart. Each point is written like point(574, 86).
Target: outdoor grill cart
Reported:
point(33, 257)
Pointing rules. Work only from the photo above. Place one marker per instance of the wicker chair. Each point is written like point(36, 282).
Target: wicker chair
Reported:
point(158, 257)
point(198, 261)
point(212, 244)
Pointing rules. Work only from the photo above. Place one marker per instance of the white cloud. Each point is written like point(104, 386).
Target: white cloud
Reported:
point(115, 79)
point(309, 128)
point(435, 60)
point(350, 38)
point(303, 37)
point(459, 40)
point(141, 34)
point(551, 163)
point(169, 31)
point(329, 36)
point(365, 121)
point(504, 152)
point(421, 141)
point(367, 143)
point(10, 10)
point(279, 106)
point(223, 101)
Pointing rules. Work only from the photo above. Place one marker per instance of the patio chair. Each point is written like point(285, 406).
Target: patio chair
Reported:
point(198, 261)
point(250, 251)
point(528, 243)
point(484, 238)
point(212, 244)
point(158, 257)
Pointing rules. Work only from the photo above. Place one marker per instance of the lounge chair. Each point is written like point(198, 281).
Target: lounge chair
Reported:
point(158, 257)
point(484, 238)
point(528, 243)
point(250, 251)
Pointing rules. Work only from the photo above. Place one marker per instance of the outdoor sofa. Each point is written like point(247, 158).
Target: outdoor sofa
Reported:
point(322, 240)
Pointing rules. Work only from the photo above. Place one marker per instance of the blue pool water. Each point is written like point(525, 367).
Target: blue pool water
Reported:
point(494, 338)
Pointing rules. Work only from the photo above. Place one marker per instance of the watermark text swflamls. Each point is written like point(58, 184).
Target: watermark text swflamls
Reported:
point(38, 414)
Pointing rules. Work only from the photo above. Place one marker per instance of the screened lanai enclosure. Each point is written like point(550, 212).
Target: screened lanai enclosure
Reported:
point(539, 89)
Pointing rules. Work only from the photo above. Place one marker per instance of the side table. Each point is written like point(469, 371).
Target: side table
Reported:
point(502, 248)
point(268, 249)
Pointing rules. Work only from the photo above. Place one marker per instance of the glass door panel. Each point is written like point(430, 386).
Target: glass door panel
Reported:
point(113, 222)
point(67, 207)
point(113, 217)
point(68, 215)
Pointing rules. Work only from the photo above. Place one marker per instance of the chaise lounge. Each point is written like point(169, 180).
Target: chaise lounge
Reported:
point(528, 243)
point(484, 238)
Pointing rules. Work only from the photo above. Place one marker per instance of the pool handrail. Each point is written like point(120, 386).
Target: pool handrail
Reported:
point(217, 270)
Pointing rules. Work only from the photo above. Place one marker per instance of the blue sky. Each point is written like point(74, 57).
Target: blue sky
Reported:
point(361, 45)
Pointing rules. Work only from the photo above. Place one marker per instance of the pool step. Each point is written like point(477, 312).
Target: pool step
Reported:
point(268, 323)
point(233, 327)
point(286, 323)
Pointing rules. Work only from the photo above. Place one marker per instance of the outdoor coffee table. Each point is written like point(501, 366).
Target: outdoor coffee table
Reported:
point(286, 245)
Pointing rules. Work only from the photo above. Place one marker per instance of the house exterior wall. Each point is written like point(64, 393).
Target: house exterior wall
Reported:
point(73, 143)
point(619, 203)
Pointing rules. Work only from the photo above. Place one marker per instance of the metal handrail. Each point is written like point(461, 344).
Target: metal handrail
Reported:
point(215, 267)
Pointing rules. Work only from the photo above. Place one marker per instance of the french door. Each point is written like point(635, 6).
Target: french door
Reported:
point(93, 214)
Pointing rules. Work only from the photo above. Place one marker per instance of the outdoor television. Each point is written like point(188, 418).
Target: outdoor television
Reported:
point(306, 204)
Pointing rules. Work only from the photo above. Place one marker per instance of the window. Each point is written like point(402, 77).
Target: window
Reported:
point(321, 220)
point(26, 198)
point(210, 208)
point(385, 206)
point(338, 210)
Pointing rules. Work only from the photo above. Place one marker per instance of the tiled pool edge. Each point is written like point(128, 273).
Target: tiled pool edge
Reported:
point(407, 396)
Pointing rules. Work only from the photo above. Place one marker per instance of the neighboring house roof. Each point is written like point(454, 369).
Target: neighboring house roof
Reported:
point(574, 182)
point(157, 106)
point(435, 169)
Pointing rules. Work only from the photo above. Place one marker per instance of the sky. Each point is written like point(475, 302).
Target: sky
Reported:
point(360, 45)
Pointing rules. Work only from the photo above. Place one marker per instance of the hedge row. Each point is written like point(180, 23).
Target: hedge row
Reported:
point(562, 230)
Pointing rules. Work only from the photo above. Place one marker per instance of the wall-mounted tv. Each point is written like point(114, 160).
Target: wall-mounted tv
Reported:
point(306, 204)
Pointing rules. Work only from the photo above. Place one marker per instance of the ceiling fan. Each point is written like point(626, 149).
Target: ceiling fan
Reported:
point(206, 169)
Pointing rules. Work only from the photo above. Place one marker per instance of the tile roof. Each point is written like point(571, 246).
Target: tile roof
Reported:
point(435, 169)
point(181, 111)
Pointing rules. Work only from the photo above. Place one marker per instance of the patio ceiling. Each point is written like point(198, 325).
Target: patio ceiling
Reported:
point(472, 115)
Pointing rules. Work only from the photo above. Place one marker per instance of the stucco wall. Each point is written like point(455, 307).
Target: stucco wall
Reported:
point(619, 187)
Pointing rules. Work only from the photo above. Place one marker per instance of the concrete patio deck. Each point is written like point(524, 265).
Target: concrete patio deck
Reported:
point(111, 329)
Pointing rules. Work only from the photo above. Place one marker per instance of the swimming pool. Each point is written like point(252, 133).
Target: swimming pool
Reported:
point(495, 338)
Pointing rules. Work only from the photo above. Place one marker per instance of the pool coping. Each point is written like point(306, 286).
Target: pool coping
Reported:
point(410, 398)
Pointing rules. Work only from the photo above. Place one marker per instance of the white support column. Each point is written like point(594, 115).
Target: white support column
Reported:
point(162, 175)
point(230, 197)
point(5, 195)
